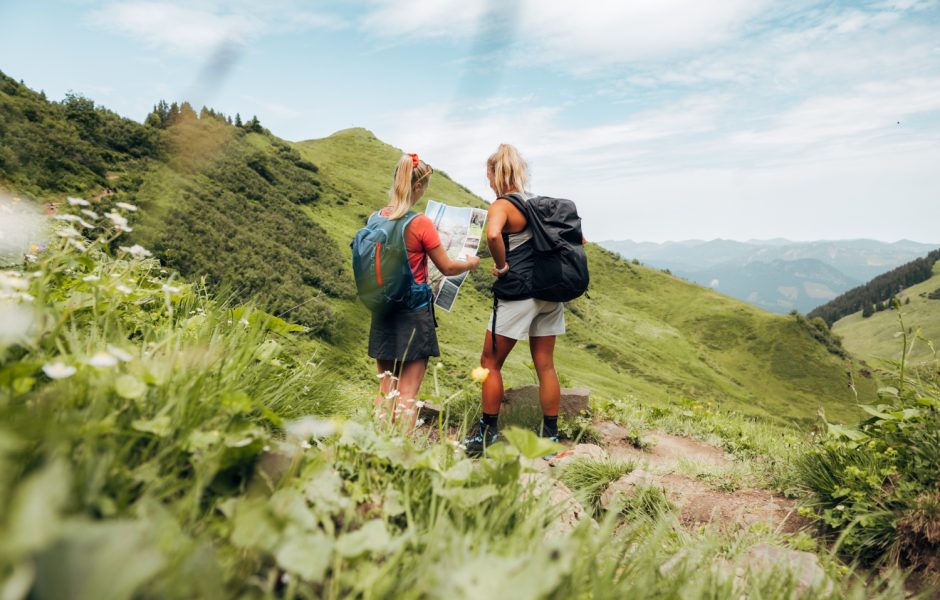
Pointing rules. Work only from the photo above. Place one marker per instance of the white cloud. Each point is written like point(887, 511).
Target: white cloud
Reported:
point(582, 37)
point(200, 27)
point(421, 18)
point(175, 27)
point(879, 108)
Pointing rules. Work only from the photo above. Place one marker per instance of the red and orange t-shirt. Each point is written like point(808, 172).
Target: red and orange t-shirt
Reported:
point(420, 238)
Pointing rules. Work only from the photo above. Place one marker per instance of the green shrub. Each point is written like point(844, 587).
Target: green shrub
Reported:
point(875, 485)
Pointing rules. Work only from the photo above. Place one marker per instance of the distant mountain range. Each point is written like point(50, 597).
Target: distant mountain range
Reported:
point(777, 275)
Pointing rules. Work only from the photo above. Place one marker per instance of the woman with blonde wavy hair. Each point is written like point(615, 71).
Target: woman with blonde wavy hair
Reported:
point(509, 239)
point(402, 340)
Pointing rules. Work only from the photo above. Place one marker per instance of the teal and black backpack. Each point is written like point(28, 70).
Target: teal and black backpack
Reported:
point(384, 280)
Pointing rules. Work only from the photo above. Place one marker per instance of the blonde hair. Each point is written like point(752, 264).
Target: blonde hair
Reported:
point(401, 197)
point(510, 173)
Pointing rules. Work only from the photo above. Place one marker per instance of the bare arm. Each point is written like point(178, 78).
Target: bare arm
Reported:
point(495, 222)
point(449, 266)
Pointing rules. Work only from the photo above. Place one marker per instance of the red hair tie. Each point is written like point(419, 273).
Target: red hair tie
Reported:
point(414, 160)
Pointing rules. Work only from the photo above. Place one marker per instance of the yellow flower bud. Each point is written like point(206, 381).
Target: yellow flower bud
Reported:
point(480, 374)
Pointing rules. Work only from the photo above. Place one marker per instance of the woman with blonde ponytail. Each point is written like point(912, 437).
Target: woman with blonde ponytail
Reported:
point(509, 239)
point(402, 336)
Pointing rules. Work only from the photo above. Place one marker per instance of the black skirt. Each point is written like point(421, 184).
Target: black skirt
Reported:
point(403, 335)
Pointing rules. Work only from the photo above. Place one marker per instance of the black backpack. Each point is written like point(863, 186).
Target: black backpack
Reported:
point(559, 269)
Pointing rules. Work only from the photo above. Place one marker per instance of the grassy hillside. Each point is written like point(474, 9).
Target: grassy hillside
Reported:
point(642, 335)
point(874, 338)
point(260, 217)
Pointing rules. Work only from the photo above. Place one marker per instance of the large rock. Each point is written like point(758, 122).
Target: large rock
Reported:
point(522, 404)
point(429, 412)
point(589, 451)
point(807, 572)
point(569, 511)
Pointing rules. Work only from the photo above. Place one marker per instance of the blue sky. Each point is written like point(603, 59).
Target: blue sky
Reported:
point(664, 119)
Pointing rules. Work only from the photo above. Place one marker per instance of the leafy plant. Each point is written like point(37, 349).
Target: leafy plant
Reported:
point(870, 481)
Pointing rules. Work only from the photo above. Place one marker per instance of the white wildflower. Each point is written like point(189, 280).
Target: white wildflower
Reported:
point(90, 214)
point(126, 206)
point(103, 360)
point(420, 404)
point(77, 245)
point(310, 427)
point(58, 370)
point(305, 445)
point(77, 201)
point(840, 507)
point(75, 219)
point(90, 278)
point(137, 251)
point(13, 280)
point(4, 295)
point(120, 354)
point(123, 288)
point(68, 232)
point(392, 394)
point(119, 221)
point(419, 422)
point(243, 321)
point(170, 289)
point(31, 257)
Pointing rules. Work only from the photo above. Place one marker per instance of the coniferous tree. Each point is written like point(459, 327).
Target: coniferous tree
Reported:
point(238, 120)
point(254, 125)
point(186, 112)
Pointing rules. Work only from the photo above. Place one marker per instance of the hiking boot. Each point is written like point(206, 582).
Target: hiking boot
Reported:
point(484, 437)
point(549, 435)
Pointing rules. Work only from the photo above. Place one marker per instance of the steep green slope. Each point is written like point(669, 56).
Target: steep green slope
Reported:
point(641, 334)
point(875, 338)
point(218, 201)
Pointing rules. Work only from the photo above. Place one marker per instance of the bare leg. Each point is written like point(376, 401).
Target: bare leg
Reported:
point(543, 356)
point(386, 370)
point(412, 374)
point(493, 386)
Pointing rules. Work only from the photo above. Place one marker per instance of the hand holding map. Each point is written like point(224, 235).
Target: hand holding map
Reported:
point(460, 229)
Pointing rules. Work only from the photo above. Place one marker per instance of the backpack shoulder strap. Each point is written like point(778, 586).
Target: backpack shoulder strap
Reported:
point(373, 218)
point(517, 201)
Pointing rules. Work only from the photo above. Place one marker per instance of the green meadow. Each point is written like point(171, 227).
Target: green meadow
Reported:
point(875, 338)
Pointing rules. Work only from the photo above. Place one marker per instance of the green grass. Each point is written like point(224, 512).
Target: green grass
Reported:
point(590, 477)
point(874, 339)
point(195, 449)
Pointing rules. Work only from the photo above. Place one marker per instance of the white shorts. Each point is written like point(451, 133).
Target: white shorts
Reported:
point(520, 319)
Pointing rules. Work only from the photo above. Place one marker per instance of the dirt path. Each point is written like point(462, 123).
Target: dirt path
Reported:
point(697, 502)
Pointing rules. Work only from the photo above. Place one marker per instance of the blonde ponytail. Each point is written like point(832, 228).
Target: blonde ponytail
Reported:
point(401, 197)
point(510, 173)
